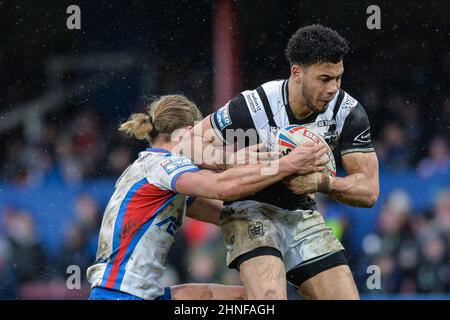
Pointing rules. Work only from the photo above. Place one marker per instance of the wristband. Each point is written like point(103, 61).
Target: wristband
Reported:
point(324, 185)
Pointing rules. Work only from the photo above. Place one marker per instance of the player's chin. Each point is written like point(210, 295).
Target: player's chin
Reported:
point(320, 106)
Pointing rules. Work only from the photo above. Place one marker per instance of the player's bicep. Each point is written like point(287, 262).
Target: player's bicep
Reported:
point(200, 183)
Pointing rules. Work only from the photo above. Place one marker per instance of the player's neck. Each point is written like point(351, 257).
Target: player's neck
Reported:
point(296, 102)
point(167, 145)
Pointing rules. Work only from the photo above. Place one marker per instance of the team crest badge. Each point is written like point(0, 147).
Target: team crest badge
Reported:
point(256, 230)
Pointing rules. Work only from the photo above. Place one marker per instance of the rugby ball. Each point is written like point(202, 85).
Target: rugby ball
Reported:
point(295, 135)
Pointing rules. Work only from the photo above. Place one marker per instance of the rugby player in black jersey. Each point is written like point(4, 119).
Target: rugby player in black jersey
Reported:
point(277, 234)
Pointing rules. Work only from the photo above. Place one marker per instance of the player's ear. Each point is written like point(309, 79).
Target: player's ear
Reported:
point(190, 130)
point(297, 73)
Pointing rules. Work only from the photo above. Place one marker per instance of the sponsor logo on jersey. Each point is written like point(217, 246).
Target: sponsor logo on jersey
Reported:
point(223, 117)
point(254, 103)
point(363, 137)
point(256, 230)
point(171, 165)
point(349, 102)
point(326, 123)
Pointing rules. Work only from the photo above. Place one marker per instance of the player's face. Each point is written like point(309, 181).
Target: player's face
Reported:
point(321, 82)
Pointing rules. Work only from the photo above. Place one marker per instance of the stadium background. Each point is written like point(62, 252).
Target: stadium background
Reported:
point(63, 93)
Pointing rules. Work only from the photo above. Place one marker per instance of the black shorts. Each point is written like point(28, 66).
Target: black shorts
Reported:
point(301, 272)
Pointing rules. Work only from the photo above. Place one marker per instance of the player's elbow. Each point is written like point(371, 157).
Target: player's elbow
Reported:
point(374, 196)
point(371, 199)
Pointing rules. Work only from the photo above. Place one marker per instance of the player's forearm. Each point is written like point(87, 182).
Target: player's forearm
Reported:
point(239, 182)
point(222, 158)
point(356, 190)
point(206, 210)
point(223, 292)
point(218, 161)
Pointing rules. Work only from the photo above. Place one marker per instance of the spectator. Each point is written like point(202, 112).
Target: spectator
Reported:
point(28, 255)
point(438, 160)
point(74, 251)
point(87, 219)
point(392, 246)
point(119, 159)
point(393, 149)
point(433, 274)
point(8, 282)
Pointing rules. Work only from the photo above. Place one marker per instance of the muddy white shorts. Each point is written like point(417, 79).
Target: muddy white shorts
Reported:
point(252, 228)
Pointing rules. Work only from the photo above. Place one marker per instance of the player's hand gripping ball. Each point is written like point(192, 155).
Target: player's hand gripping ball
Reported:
point(295, 135)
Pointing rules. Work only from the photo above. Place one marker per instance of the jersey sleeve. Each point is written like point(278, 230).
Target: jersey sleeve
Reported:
point(355, 136)
point(232, 116)
point(167, 171)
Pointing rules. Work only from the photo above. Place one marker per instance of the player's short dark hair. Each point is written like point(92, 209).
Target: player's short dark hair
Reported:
point(316, 44)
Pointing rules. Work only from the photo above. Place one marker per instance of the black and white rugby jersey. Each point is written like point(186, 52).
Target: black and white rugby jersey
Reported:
point(344, 125)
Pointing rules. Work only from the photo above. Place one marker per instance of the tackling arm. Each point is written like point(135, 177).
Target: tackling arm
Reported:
point(239, 182)
point(206, 210)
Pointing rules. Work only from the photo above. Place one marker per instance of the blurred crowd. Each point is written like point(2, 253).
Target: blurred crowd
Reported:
point(69, 151)
point(411, 249)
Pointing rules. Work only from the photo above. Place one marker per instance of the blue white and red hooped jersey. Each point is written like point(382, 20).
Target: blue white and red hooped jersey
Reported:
point(139, 224)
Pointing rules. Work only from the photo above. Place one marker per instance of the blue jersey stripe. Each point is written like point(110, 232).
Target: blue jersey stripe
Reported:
point(135, 241)
point(160, 150)
point(118, 226)
point(177, 175)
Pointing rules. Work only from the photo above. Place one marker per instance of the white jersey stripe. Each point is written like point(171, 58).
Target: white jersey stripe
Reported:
point(258, 114)
point(347, 105)
point(274, 91)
